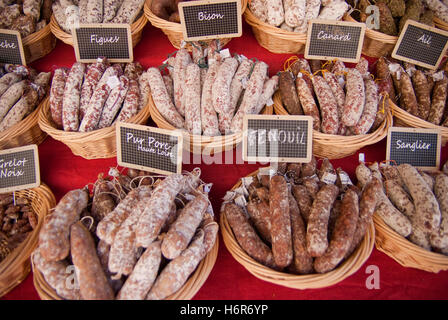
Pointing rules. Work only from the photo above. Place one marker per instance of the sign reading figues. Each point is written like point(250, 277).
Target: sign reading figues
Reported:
point(109, 40)
point(148, 148)
point(19, 169)
point(420, 44)
point(203, 20)
point(11, 48)
point(277, 138)
point(327, 40)
point(418, 147)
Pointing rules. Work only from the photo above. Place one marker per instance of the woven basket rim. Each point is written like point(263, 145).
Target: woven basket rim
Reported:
point(309, 281)
point(37, 36)
point(16, 266)
point(440, 23)
point(23, 127)
point(404, 251)
point(136, 28)
point(276, 32)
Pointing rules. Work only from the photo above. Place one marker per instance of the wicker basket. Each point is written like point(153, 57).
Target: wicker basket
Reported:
point(16, 266)
point(173, 30)
point(275, 39)
point(405, 252)
point(376, 44)
point(136, 31)
point(334, 146)
point(24, 133)
point(310, 281)
point(89, 145)
point(201, 144)
point(187, 292)
point(38, 44)
point(405, 119)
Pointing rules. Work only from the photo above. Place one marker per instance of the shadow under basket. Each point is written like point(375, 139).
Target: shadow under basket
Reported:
point(16, 266)
point(310, 281)
point(95, 144)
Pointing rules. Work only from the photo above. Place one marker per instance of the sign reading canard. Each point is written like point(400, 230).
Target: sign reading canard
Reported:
point(327, 40)
point(421, 45)
point(148, 148)
point(11, 48)
point(275, 138)
point(416, 146)
point(19, 169)
point(203, 20)
point(109, 40)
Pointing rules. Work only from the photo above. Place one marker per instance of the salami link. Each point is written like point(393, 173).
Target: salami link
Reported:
point(20, 109)
point(192, 98)
point(422, 93)
point(370, 107)
point(409, 100)
point(334, 10)
point(11, 96)
point(182, 60)
point(439, 239)
point(56, 95)
point(288, 93)
point(71, 100)
point(354, 99)
point(209, 118)
point(93, 283)
point(128, 11)
point(145, 90)
point(304, 200)
point(328, 106)
point(110, 9)
point(221, 87)
point(295, 11)
point(251, 95)
point(8, 80)
point(157, 210)
point(94, 11)
point(307, 101)
point(275, 13)
point(246, 236)
point(144, 274)
point(54, 241)
point(269, 88)
point(162, 100)
point(342, 235)
point(258, 8)
point(130, 102)
point(91, 79)
point(237, 85)
point(439, 96)
point(259, 213)
point(317, 228)
point(113, 103)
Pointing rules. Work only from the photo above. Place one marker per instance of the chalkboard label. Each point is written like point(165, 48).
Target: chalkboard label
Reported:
point(11, 48)
point(327, 40)
point(418, 147)
point(274, 138)
point(421, 45)
point(202, 20)
point(148, 148)
point(19, 169)
point(109, 40)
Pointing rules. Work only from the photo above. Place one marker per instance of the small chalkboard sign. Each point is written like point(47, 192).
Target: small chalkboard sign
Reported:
point(109, 40)
point(11, 47)
point(421, 45)
point(416, 146)
point(19, 169)
point(203, 20)
point(327, 40)
point(275, 138)
point(148, 148)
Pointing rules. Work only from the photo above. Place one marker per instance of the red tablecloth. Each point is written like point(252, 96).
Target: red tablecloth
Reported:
point(62, 171)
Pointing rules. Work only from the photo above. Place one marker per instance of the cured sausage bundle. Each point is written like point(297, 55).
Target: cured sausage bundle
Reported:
point(97, 233)
point(420, 92)
point(341, 100)
point(70, 14)
point(303, 219)
point(293, 15)
point(26, 17)
point(412, 203)
point(212, 92)
point(21, 91)
point(93, 96)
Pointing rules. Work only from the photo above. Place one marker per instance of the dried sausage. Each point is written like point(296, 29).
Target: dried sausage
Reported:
point(192, 98)
point(328, 105)
point(354, 99)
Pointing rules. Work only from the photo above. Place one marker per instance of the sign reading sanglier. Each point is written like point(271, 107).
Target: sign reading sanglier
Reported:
point(274, 138)
point(203, 20)
point(416, 146)
point(11, 48)
point(19, 169)
point(327, 40)
point(109, 40)
point(148, 148)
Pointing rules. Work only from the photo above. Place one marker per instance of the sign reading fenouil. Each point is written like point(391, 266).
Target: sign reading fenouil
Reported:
point(274, 138)
point(204, 20)
point(148, 148)
point(415, 146)
point(19, 169)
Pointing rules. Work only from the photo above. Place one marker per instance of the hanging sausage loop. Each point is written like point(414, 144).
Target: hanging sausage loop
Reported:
point(290, 62)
